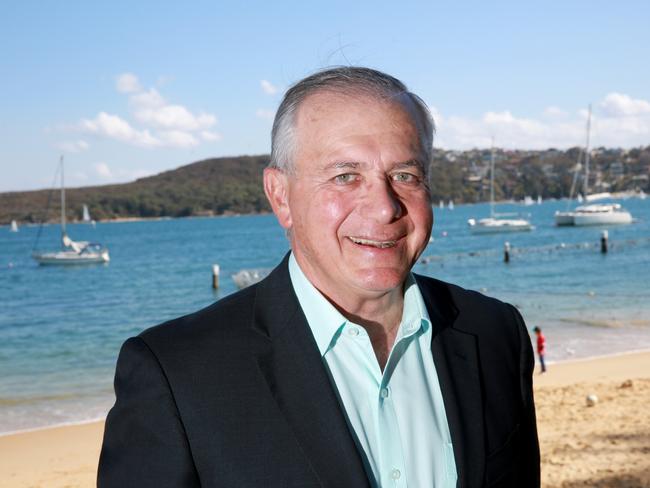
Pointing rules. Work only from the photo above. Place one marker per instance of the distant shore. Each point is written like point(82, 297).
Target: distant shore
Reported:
point(136, 219)
point(603, 445)
point(622, 195)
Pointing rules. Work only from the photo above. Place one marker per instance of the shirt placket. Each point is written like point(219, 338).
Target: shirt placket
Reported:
point(393, 473)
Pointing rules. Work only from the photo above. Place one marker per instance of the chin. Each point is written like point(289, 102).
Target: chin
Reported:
point(382, 280)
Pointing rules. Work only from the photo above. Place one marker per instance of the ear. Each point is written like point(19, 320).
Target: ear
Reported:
point(276, 187)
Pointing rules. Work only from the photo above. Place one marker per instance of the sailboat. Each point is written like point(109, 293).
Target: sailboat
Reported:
point(72, 252)
point(493, 223)
point(86, 214)
point(85, 218)
point(14, 226)
point(594, 213)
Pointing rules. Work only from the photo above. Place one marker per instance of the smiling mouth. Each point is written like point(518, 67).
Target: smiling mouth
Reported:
point(373, 243)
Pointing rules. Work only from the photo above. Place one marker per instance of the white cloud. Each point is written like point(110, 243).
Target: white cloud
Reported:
point(609, 127)
point(207, 135)
point(268, 87)
point(73, 146)
point(106, 173)
point(265, 114)
point(147, 99)
point(103, 171)
point(554, 112)
point(178, 138)
point(151, 109)
point(127, 83)
point(153, 121)
point(114, 127)
point(174, 117)
point(620, 105)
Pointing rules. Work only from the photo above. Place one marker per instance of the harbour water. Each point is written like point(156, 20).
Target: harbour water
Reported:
point(61, 327)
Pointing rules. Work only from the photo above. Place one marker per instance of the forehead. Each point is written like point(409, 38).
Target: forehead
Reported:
point(330, 106)
point(327, 123)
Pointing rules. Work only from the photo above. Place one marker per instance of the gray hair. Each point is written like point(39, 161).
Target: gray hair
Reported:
point(346, 80)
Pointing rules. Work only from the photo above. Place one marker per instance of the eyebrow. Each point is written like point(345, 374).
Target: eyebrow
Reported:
point(409, 164)
point(342, 165)
point(412, 163)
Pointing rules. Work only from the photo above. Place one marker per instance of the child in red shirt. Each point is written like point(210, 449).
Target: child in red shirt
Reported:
point(541, 347)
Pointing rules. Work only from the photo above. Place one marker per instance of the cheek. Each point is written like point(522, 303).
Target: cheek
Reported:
point(330, 211)
point(421, 216)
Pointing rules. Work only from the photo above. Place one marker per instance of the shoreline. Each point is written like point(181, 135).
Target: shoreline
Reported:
point(580, 445)
point(598, 356)
point(137, 219)
point(537, 378)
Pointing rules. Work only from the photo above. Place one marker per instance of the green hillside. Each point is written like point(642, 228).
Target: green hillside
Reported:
point(209, 187)
point(234, 184)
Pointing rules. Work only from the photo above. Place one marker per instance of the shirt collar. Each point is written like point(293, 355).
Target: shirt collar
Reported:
point(326, 321)
point(323, 318)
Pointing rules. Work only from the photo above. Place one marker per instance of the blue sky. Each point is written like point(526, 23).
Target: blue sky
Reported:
point(127, 89)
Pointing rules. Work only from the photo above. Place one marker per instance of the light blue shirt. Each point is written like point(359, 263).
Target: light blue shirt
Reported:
point(398, 415)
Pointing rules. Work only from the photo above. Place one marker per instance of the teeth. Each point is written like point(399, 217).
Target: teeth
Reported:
point(369, 242)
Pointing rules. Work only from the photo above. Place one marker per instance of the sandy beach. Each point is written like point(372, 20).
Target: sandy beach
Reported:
point(604, 445)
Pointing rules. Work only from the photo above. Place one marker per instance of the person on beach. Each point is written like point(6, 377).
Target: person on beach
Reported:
point(342, 368)
point(541, 347)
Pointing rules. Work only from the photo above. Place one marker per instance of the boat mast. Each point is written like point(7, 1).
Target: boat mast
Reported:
point(62, 201)
point(492, 180)
point(585, 188)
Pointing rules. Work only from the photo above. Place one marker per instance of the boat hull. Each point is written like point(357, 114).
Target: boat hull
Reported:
point(613, 218)
point(498, 226)
point(564, 218)
point(67, 258)
point(595, 214)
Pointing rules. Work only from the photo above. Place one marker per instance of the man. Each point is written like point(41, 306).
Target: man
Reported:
point(341, 369)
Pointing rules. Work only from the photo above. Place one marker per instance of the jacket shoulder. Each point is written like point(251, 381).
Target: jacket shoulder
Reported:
point(473, 309)
point(226, 318)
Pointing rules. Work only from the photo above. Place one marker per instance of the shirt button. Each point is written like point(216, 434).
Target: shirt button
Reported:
point(384, 394)
point(395, 474)
point(353, 331)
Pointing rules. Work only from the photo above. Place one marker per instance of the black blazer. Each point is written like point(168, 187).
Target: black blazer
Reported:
point(236, 395)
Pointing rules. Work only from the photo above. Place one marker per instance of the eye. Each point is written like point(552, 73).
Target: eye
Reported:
point(344, 178)
point(403, 177)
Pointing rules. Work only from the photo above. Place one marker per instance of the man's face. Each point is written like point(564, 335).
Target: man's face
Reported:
point(357, 205)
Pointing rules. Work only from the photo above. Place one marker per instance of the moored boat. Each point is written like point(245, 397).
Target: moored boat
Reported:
point(72, 252)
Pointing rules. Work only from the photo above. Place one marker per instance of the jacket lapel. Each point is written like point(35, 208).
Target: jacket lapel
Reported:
point(291, 364)
point(455, 354)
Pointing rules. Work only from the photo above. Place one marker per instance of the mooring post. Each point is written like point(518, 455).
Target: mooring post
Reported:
point(215, 276)
point(603, 242)
point(506, 252)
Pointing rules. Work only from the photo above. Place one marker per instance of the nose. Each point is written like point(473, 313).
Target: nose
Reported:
point(381, 203)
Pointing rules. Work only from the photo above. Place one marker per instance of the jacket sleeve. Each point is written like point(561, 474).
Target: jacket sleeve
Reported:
point(529, 466)
point(144, 440)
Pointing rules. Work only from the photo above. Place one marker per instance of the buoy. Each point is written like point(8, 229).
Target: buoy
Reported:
point(215, 276)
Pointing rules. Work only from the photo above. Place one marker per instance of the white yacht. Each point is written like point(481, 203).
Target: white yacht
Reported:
point(592, 213)
point(601, 214)
point(495, 223)
point(491, 225)
point(72, 252)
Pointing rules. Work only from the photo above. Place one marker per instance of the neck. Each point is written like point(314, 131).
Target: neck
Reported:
point(379, 314)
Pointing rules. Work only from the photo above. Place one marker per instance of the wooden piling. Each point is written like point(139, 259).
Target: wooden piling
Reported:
point(506, 252)
point(604, 237)
point(215, 276)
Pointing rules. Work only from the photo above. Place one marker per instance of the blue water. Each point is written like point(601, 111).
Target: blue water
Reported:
point(61, 327)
